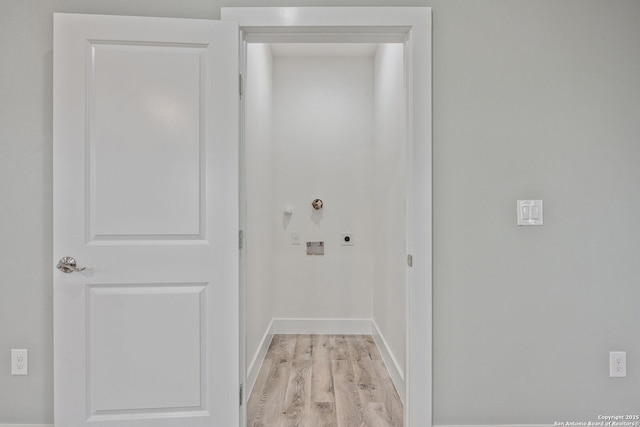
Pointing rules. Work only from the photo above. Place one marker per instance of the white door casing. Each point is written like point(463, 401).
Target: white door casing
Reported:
point(146, 198)
point(411, 25)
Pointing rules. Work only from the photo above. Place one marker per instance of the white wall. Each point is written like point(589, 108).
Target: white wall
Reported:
point(535, 100)
point(323, 148)
point(390, 181)
point(530, 100)
point(26, 261)
point(259, 173)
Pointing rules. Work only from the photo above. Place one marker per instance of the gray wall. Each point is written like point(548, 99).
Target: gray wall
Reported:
point(532, 99)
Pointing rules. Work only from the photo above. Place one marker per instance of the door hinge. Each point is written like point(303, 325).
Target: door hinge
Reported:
point(241, 239)
point(410, 260)
point(240, 83)
point(241, 392)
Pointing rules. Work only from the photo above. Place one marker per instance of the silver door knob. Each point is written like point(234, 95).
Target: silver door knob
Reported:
point(68, 265)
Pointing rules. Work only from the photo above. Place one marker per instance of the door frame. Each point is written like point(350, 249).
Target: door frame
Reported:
point(412, 26)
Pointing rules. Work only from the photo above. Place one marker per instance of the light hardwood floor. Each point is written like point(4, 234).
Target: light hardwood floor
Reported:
point(323, 381)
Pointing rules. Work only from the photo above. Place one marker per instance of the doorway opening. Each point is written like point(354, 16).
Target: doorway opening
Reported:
point(325, 121)
point(411, 28)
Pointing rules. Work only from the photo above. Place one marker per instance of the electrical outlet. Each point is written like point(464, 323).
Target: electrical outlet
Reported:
point(618, 364)
point(19, 361)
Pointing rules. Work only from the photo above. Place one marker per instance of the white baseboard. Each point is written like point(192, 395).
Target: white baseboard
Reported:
point(26, 425)
point(396, 373)
point(258, 358)
point(435, 425)
point(322, 326)
point(493, 425)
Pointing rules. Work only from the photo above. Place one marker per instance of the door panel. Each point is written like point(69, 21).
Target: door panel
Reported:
point(146, 198)
point(146, 173)
point(150, 361)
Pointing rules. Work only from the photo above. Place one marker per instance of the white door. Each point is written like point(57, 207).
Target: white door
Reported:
point(146, 199)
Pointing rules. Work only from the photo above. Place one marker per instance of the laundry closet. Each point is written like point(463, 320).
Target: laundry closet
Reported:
point(325, 121)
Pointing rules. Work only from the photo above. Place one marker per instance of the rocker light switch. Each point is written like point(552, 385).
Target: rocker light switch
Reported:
point(529, 212)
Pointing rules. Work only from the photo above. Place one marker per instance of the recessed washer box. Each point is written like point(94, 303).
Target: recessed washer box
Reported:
point(315, 248)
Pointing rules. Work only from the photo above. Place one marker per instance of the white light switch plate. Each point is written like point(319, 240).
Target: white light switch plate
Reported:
point(529, 212)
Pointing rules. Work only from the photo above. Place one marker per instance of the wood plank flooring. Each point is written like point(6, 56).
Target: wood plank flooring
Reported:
point(323, 381)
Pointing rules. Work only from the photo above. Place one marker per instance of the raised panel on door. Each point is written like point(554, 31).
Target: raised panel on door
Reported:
point(146, 198)
point(149, 364)
point(146, 174)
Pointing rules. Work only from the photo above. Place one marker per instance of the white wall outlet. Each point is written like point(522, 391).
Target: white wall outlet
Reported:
point(19, 361)
point(295, 237)
point(618, 364)
point(346, 239)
